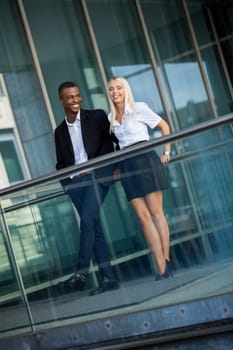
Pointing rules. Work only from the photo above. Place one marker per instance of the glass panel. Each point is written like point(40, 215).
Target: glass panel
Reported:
point(217, 80)
point(123, 49)
point(45, 231)
point(169, 33)
point(222, 12)
point(11, 162)
point(23, 91)
point(178, 66)
point(199, 17)
point(188, 92)
point(13, 311)
point(205, 20)
point(65, 52)
point(227, 48)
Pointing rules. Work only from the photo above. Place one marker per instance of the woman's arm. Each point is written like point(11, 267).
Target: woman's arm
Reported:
point(165, 130)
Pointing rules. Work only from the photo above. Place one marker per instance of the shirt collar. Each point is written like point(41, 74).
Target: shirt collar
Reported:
point(76, 120)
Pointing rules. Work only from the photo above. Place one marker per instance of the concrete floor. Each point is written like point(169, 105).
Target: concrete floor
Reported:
point(136, 295)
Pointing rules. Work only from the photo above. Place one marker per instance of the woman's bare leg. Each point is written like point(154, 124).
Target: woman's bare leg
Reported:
point(150, 231)
point(154, 202)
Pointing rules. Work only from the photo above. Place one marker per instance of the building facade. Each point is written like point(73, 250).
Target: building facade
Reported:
point(177, 55)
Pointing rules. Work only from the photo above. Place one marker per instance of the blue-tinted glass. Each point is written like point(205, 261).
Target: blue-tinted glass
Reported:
point(188, 91)
point(11, 161)
point(200, 20)
point(222, 13)
point(11, 300)
point(198, 206)
point(65, 52)
point(213, 35)
point(227, 48)
point(123, 48)
point(23, 89)
point(169, 32)
point(215, 73)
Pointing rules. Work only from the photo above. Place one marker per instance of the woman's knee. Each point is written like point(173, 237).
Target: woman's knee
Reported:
point(144, 217)
point(157, 215)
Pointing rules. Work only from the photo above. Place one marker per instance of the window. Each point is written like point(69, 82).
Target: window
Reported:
point(10, 158)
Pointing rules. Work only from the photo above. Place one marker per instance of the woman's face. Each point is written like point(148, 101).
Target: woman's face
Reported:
point(116, 91)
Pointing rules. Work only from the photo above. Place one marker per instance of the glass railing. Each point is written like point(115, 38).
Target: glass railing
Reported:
point(40, 232)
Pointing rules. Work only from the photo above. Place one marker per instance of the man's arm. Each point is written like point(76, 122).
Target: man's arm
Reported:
point(60, 163)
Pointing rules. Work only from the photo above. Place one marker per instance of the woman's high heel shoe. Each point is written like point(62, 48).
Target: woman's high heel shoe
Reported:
point(167, 273)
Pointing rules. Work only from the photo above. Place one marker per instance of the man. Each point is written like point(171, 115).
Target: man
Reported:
point(83, 135)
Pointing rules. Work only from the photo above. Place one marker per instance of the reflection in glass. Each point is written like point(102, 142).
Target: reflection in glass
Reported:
point(188, 92)
point(66, 52)
point(123, 49)
point(24, 92)
point(11, 162)
point(12, 307)
point(198, 205)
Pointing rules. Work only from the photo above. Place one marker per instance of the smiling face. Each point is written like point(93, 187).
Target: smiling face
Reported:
point(116, 91)
point(71, 100)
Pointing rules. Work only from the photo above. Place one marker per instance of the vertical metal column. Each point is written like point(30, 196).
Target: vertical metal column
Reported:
point(155, 70)
point(222, 59)
point(153, 62)
point(95, 45)
point(36, 63)
point(199, 59)
point(15, 266)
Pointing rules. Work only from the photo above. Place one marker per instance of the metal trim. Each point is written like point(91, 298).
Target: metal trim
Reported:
point(199, 59)
point(154, 64)
point(185, 321)
point(36, 63)
point(94, 44)
point(111, 157)
point(222, 59)
point(16, 268)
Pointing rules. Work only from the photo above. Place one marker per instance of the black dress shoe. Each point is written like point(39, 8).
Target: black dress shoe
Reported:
point(76, 281)
point(107, 284)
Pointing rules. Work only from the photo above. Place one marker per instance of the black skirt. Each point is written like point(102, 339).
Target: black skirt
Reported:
point(143, 174)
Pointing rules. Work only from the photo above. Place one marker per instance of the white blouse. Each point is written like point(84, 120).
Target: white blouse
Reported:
point(134, 127)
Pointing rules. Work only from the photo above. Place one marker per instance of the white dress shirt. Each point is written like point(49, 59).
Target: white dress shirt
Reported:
point(134, 126)
point(75, 132)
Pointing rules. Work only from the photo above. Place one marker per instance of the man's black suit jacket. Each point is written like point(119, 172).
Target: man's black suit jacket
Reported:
point(96, 139)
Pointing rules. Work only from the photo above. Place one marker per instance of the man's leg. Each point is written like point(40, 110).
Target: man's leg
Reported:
point(76, 192)
point(92, 235)
point(88, 203)
point(81, 195)
point(100, 245)
point(101, 248)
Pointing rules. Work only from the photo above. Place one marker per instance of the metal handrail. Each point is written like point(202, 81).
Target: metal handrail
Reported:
point(114, 156)
point(60, 192)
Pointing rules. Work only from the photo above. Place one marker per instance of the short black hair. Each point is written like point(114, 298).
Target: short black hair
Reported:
point(66, 84)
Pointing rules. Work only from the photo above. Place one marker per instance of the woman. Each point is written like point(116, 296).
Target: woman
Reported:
point(129, 122)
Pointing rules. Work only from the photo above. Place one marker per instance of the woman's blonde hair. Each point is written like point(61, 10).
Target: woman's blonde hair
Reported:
point(129, 99)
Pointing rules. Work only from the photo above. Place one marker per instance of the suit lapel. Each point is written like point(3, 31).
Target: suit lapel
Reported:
point(84, 129)
point(67, 138)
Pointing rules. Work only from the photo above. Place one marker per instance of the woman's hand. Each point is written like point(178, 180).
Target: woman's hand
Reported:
point(165, 158)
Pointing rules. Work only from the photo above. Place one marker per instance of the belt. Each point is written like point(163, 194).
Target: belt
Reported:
point(76, 177)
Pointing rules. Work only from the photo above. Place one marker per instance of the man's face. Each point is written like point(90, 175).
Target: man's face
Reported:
point(71, 100)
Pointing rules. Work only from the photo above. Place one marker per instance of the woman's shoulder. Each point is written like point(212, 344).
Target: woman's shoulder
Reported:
point(140, 105)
